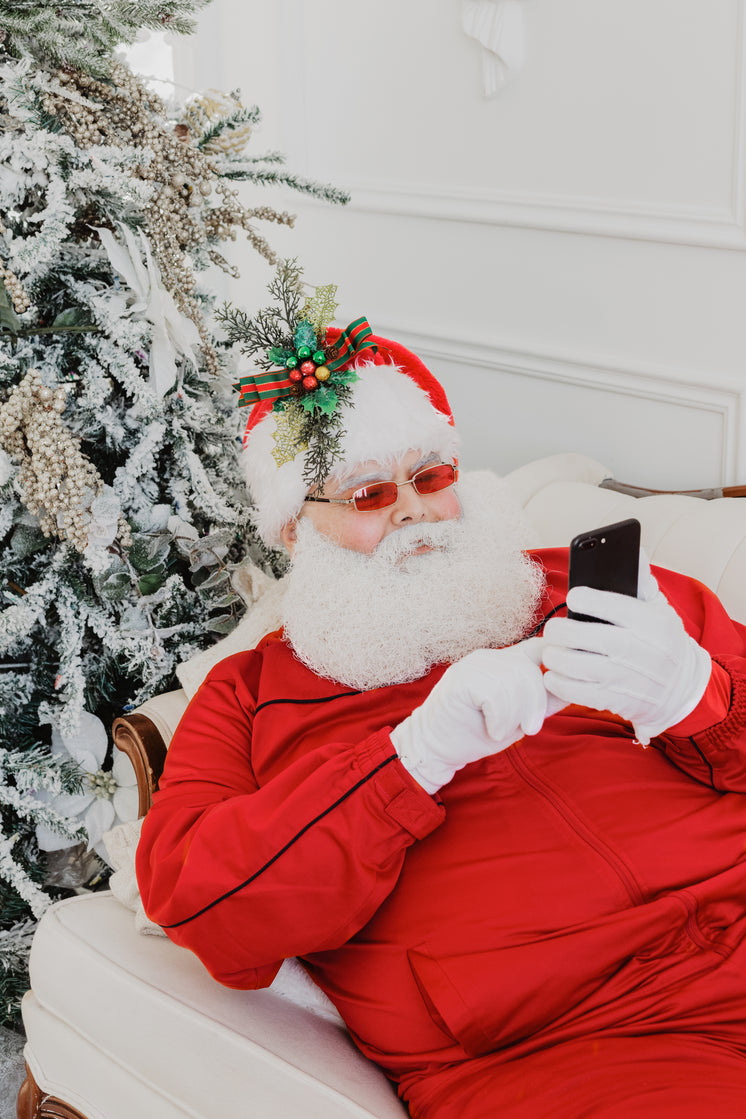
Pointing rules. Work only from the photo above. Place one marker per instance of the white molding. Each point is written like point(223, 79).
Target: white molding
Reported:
point(718, 227)
point(738, 183)
point(721, 394)
point(710, 227)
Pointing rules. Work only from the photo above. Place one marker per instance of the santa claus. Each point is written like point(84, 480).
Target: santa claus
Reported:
point(507, 844)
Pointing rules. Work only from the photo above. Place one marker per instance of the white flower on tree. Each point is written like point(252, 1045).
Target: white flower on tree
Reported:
point(108, 796)
point(173, 334)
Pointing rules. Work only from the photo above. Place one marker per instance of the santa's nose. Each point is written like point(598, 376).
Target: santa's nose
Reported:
point(410, 505)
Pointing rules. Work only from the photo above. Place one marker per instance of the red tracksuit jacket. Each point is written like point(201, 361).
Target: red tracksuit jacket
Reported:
point(560, 932)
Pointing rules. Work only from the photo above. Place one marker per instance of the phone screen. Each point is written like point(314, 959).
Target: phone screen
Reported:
point(607, 558)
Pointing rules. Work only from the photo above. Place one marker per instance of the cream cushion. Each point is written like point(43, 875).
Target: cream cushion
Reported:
point(123, 1025)
point(704, 539)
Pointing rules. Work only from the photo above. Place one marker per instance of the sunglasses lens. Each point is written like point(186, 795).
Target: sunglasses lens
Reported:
point(377, 496)
point(380, 495)
point(434, 478)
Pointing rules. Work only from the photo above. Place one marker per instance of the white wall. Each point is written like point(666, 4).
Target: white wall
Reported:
point(568, 256)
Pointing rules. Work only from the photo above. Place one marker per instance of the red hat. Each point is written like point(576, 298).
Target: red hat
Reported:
point(396, 405)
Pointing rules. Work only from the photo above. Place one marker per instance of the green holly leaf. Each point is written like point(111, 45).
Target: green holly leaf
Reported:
point(305, 335)
point(326, 400)
point(278, 355)
point(344, 377)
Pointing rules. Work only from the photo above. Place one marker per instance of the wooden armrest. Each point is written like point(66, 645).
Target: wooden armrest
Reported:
point(139, 738)
point(145, 735)
point(706, 494)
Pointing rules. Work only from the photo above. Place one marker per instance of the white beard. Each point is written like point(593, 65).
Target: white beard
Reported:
point(369, 620)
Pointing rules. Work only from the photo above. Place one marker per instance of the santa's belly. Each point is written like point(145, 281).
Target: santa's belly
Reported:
point(572, 889)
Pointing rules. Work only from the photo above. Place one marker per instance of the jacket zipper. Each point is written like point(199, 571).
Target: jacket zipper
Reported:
point(561, 806)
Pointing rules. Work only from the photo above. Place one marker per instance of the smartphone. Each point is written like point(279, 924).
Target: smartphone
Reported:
point(607, 558)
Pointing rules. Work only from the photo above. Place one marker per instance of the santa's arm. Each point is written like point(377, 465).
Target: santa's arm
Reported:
point(673, 663)
point(246, 876)
point(710, 742)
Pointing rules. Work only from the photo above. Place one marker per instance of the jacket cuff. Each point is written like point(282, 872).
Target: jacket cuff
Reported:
point(404, 800)
point(711, 709)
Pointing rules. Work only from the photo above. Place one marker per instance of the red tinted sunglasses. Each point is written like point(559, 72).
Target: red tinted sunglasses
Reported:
point(379, 495)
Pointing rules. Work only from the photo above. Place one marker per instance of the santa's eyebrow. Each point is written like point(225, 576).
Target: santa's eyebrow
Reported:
point(358, 481)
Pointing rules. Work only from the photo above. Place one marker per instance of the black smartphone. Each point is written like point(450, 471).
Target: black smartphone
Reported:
point(607, 558)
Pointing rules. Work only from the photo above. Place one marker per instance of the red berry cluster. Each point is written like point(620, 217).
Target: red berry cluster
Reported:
point(307, 369)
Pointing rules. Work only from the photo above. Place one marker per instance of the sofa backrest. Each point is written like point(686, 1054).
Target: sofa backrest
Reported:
point(701, 538)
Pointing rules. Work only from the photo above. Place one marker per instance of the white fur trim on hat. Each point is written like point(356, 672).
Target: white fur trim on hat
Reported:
point(390, 416)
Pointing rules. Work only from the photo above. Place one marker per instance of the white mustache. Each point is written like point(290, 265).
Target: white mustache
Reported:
point(406, 540)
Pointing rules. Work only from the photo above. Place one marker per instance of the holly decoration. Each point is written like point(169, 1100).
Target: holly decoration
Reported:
point(304, 373)
point(306, 364)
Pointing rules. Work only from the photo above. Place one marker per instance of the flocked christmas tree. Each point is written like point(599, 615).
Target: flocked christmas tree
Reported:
point(121, 509)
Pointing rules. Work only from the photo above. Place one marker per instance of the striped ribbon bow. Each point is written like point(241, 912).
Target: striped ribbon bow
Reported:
point(263, 386)
point(276, 384)
point(353, 340)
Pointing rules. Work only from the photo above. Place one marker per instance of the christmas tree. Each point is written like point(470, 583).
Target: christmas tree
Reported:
point(122, 512)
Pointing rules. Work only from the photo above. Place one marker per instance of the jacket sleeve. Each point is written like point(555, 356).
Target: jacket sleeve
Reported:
point(710, 743)
point(246, 876)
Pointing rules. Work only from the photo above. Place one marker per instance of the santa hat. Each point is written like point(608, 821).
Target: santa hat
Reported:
point(396, 405)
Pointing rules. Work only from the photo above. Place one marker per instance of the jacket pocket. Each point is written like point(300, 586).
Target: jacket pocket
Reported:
point(446, 1004)
point(490, 997)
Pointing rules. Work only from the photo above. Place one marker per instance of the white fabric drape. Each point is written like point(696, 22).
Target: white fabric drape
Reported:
point(499, 25)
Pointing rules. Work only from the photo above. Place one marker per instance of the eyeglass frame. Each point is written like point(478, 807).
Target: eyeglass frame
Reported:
point(390, 482)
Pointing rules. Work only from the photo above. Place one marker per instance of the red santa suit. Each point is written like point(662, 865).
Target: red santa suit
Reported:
point(559, 932)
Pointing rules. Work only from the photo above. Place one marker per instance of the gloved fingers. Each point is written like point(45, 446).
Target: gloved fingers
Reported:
point(519, 706)
point(576, 664)
point(609, 653)
point(480, 659)
point(647, 584)
point(592, 637)
point(489, 672)
point(566, 690)
point(533, 648)
point(629, 702)
point(624, 694)
point(554, 703)
point(644, 678)
point(642, 617)
point(569, 633)
point(534, 707)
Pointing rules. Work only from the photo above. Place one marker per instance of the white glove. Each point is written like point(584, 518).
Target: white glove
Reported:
point(480, 705)
point(644, 667)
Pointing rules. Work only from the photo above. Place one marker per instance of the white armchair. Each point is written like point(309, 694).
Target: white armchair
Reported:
point(121, 1024)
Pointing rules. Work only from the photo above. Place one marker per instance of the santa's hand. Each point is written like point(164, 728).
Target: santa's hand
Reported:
point(644, 666)
point(479, 706)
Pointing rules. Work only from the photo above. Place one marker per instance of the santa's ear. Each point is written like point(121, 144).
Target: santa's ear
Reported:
point(289, 534)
